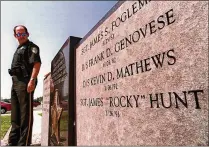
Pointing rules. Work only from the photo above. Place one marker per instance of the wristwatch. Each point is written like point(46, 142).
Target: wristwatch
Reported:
point(32, 79)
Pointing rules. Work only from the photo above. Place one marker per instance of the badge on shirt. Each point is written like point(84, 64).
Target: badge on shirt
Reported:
point(34, 50)
point(21, 50)
point(23, 47)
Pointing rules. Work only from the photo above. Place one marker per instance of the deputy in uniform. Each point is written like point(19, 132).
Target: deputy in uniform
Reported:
point(24, 70)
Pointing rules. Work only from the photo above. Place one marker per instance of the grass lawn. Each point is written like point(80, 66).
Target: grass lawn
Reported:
point(5, 124)
point(64, 121)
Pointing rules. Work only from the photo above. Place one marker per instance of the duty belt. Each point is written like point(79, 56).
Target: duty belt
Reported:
point(15, 71)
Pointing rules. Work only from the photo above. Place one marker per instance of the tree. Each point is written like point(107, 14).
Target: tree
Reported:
point(40, 99)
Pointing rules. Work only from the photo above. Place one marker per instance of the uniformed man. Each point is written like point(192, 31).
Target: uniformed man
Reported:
point(24, 71)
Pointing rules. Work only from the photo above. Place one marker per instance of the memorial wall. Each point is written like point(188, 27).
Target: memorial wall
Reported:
point(62, 101)
point(60, 97)
point(142, 76)
point(47, 89)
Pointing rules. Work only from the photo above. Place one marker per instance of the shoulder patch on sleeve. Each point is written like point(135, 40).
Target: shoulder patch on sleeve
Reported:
point(34, 50)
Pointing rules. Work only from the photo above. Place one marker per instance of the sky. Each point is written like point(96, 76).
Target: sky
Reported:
point(49, 23)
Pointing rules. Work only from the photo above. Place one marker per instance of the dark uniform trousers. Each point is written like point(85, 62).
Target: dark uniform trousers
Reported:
point(21, 113)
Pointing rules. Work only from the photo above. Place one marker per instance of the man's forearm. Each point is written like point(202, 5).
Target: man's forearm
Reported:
point(35, 70)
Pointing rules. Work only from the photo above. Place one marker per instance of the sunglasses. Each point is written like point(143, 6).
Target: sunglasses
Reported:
point(21, 34)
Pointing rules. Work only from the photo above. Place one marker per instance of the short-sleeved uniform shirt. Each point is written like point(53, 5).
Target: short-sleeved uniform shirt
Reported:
point(26, 54)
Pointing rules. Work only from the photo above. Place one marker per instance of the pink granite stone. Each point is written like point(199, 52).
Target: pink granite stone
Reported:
point(142, 76)
point(45, 111)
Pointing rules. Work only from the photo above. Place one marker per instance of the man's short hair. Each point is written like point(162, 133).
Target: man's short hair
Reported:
point(26, 30)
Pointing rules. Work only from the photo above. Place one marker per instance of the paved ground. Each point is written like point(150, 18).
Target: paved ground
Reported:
point(36, 138)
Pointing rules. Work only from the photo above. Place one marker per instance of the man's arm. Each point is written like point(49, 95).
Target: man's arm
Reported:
point(35, 72)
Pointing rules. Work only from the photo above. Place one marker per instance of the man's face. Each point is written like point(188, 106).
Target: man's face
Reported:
point(21, 34)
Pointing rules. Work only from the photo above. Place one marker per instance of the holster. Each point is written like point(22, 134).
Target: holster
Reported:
point(18, 71)
point(14, 72)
